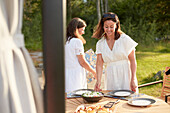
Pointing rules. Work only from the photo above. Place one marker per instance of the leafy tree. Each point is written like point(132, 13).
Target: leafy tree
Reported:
point(143, 20)
point(32, 23)
point(140, 19)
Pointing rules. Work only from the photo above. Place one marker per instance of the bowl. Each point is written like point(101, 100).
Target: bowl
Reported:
point(93, 96)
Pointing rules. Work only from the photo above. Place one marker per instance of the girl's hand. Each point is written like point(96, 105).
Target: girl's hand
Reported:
point(95, 76)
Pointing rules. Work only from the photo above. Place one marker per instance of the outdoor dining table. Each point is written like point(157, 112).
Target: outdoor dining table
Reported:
point(122, 107)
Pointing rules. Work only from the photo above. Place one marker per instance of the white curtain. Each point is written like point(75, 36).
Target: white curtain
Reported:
point(20, 90)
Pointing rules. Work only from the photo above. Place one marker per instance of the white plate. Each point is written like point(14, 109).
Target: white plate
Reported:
point(81, 91)
point(141, 102)
point(121, 93)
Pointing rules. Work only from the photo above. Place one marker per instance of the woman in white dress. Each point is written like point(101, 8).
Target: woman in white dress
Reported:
point(75, 77)
point(117, 51)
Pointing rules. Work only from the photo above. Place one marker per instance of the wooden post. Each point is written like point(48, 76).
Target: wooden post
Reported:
point(151, 83)
point(54, 32)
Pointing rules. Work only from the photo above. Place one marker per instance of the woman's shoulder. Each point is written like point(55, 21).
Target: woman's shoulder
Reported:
point(126, 39)
point(101, 40)
point(124, 36)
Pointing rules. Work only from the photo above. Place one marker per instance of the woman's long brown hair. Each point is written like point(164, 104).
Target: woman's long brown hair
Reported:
point(99, 31)
point(72, 29)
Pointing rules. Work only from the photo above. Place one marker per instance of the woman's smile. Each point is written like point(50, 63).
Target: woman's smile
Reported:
point(109, 27)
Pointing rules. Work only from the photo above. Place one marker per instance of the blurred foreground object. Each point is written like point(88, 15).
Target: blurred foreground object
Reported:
point(19, 85)
point(166, 85)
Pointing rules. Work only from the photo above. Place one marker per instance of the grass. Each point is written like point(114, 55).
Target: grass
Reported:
point(161, 47)
point(150, 60)
point(153, 90)
point(150, 64)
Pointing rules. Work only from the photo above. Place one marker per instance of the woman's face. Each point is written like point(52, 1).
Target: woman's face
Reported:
point(109, 27)
point(81, 30)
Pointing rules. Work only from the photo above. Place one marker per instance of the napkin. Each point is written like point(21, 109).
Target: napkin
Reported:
point(71, 95)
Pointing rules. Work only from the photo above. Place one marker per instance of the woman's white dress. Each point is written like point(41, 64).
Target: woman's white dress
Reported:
point(75, 77)
point(117, 73)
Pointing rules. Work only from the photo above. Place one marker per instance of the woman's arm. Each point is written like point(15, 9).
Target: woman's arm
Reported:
point(85, 64)
point(133, 66)
point(99, 71)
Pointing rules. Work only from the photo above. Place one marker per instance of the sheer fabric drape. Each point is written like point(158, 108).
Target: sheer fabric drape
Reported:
point(20, 90)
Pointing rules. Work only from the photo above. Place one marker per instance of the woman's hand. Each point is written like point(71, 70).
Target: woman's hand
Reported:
point(133, 85)
point(97, 86)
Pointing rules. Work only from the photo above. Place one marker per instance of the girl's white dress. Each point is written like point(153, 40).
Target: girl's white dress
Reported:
point(75, 77)
point(117, 73)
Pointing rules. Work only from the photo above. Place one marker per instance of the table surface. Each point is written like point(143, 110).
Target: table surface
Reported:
point(122, 107)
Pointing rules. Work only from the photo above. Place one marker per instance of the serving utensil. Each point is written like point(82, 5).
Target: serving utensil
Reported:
point(110, 104)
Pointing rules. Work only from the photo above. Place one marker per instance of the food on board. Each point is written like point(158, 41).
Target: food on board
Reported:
point(94, 109)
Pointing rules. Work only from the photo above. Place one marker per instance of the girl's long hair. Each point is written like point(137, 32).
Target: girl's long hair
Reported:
point(72, 29)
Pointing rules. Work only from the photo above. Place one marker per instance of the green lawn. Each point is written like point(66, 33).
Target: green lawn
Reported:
point(150, 60)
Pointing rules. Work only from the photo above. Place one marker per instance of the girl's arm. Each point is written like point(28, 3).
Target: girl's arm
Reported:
point(85, 64)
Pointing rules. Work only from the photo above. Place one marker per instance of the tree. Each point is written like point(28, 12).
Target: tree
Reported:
point(106, 6)
point(141, 19)
point(144, 20)
point(32, 21)
point(98, 9)
point(69, 10)
point(102, 7)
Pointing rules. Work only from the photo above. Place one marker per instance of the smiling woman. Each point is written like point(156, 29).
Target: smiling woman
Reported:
point(117, 51)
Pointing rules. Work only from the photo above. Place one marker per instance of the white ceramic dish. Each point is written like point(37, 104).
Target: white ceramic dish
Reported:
point(141, 102)
point(121, 93)
point(81, 91)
